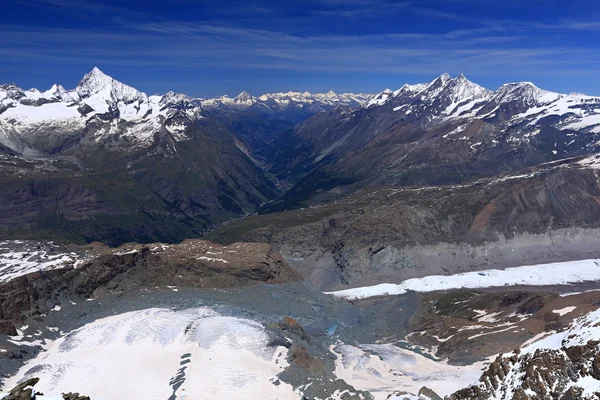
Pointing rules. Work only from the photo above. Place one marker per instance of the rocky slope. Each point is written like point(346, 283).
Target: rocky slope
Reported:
point(203, 311)
point(392, 234)
point(565, 365)
point(446, 131)
point(105, 161)
point(193, 263)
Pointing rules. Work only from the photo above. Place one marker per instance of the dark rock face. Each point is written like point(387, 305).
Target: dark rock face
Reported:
point(25, 391)
point(429, 394)
point(74, 396)
point(193, 263)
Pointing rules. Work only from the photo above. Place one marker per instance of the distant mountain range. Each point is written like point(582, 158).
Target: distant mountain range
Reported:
point(105, 161)
point(445, 181)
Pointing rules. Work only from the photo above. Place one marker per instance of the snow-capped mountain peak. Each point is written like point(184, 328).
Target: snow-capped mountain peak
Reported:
point(96, 82)
point(439, 82)
point(445, 77)
point(406, 88)
point(243, 97)
point(441, 96)
point(463, 89)
point(526, 92)
point(60, 93)
point(10, 91)
point(173, 99)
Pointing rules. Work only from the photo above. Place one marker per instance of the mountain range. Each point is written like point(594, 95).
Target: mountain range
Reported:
point(107, 162)
point(360, 245)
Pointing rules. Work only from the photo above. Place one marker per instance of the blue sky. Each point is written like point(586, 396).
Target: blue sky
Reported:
point(208, 48)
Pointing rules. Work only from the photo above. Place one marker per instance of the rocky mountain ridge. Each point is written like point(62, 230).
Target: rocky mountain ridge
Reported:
point(563, 365)
point(447, 131)
point(192, 263)
point(448, 98)
point(75, 160)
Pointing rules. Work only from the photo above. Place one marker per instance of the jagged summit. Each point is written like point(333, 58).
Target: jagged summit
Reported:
point(445, 77)
point(526, 92)
point(444, 86)
point(243, 96)
point(96, 82)
point(60, 93)
point(93, 82)
point(461, 89)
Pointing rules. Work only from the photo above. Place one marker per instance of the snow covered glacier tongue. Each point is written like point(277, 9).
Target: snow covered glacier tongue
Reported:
point(163, 354)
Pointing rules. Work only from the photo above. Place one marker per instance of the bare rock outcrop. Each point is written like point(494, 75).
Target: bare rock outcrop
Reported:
point(192, 263)
point(569, 372)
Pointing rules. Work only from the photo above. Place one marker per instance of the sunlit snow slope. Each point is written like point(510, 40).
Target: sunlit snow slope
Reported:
point(163, 354)
point(562, 273)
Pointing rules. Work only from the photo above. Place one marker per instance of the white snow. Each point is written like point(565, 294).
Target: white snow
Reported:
point(380, 99)
point(141, 354)
point(589, 384)
point(282, 100)
point(483, 316)
point(535, 275)
point(584, 122)
point(385, 369)
point(49, 111)
point(204, 258)
point(582, 330)
point(28, 259)
point(97, 82)
point(564, 311)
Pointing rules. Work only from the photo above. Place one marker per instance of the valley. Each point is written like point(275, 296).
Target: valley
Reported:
point(436, 241)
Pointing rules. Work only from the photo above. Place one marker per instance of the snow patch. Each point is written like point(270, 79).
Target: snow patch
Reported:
point(157, 353)
point(535, 275)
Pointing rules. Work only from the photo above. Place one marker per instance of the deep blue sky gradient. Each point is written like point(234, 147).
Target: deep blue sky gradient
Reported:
point(208, 48)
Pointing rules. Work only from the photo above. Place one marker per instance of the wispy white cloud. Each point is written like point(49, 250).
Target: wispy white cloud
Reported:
point(291, 43)
point(187, 45)
point(360, 9)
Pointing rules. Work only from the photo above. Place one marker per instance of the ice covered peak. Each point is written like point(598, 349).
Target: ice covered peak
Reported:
point(60, 93)
point(463, 89)
point(444, 87)
point(244, 96)
point(411, 89)
point(174, 99)
point(445, 77)
point(380, 98)
point(11, 91)
point(56, 90)
point(436, 85)
point(440, 81)
point(97, 82)
point(525, 92)
point(93, 82)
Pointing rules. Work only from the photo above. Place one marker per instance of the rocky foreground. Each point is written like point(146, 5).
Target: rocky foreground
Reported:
point(25, 391)
point(193, 263)
point(212, 313)
point(563, 366)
